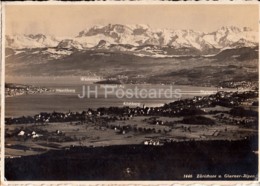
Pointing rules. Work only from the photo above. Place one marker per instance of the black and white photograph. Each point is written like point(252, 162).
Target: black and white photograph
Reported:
point(130, 92)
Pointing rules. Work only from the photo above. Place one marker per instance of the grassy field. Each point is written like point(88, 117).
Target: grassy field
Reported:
point(94, 134)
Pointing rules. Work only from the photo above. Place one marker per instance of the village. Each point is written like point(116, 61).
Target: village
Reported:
point(222, 116)
point(239, 84)
point(12, 90)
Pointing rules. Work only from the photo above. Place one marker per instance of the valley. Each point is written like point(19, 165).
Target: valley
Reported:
point(52, 133)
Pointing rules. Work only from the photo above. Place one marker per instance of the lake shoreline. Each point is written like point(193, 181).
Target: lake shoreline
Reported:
point(63, 102)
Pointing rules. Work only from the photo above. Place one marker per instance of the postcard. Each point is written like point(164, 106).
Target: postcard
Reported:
point(130, 93)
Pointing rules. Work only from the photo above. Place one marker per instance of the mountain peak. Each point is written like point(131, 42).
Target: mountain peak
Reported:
point(231, 29)
point(247, 29)
point(142, 35)
point(19, 41)
point(113, 29)
point(37, 36)
point(142, 26)
point(69, 44)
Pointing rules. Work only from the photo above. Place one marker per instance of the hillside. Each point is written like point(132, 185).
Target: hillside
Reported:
point(139, 53)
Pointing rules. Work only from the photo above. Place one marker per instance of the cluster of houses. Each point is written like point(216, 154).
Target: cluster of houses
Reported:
point(160, 142)
point(16, 90)
point(153, 142)
point(26, 133)
point(154, 121)
point(45, 118)
point(239, 84)
point(140, 129)
point(226, 99)
point(32, 134)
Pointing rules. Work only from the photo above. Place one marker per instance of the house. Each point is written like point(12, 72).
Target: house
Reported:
point(21, 133)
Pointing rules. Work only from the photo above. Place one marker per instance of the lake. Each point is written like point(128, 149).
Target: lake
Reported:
point(66, 98)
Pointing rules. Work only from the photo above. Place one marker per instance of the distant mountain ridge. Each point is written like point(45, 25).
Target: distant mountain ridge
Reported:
point(30, 41)
point(132, 37)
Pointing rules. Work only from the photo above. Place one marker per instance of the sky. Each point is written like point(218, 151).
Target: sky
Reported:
point(65, 20)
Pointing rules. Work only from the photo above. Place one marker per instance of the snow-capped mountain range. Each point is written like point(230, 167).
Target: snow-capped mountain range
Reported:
point(142, 40)
point(30, 41)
